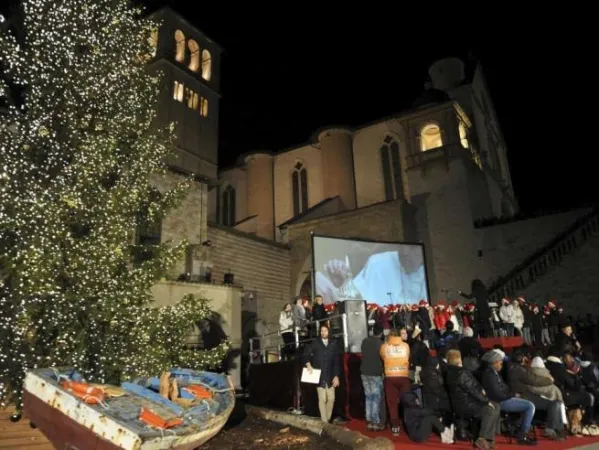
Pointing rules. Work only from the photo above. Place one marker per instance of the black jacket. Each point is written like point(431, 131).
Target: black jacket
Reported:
point(413, 413)
point(372, 364)
point(566, 381)
point(434, 394)
point(465, 393)
point(327, 358)
point(469, 346)
point(319, 313)
point(589, 378)
point(424, 320)
point(536, 321)
point(419, 353)
point(481, 296)
point(553, 318)
point(497, 389)
point(565, 342)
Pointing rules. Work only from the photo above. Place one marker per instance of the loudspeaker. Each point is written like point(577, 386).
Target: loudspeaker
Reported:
point(357, 324)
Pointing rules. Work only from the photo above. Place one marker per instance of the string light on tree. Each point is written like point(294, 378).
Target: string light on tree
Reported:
point(78, 150)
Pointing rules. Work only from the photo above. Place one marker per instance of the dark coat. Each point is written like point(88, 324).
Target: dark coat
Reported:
point(565, 342)
point(413, 413)
point(481, 296)
point(497, 389)
point(589, 378)
point(424, 320)
point(327, 358)
point(465, 392)
point(469, 346)
point(566, 381)
point(319, 313)
point(434, 394)
point(418, 353)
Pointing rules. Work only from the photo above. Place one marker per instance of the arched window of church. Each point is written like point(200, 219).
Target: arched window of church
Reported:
point(149, 229)
point(299, 181)
point(229, 206)
point(179, 46)
point(392, 170)
point(206, 65)
point(430, 137)
point(463, 135)
point(194, 59)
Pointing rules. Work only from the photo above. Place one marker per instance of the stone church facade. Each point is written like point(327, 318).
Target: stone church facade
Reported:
point(434, 174)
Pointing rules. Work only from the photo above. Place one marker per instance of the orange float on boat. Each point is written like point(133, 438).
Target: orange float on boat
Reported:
point(154, 420)
point(198, 391)
point(91, 395)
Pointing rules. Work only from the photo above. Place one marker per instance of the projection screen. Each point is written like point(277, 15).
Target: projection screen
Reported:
point(378, 272)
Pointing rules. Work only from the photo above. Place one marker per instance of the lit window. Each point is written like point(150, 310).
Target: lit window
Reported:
point(194, 60)
point(430, 137)
point(195, 103)
point(463, 135)
point(204, 107)
point(189, 97)
point(206, 65)
point(180, 46)
point(178, 91)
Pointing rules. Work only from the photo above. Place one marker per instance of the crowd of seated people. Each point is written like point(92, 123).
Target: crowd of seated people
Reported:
point(549, 381)
point(466, 392)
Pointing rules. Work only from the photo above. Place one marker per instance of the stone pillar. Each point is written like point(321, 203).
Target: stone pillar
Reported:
point(260, 192)
point(338, 165)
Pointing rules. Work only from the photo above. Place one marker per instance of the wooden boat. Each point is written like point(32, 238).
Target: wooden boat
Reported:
point(77, 416)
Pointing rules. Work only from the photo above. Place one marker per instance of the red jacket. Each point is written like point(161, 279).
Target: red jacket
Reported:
point(441, 317)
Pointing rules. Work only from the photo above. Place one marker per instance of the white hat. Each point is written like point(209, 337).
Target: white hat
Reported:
point(537, 363)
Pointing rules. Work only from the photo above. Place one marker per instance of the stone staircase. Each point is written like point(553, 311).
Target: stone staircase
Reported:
point(546, 258)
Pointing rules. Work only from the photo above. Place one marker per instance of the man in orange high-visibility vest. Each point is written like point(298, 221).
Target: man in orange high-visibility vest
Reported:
point(396, 359)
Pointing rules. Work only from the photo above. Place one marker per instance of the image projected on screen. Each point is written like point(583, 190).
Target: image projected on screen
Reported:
point(381, 273)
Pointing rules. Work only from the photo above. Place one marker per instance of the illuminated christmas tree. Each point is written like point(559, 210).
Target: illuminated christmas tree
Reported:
point(78, 152)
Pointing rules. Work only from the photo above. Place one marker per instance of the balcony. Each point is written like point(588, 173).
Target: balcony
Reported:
point(444, 154)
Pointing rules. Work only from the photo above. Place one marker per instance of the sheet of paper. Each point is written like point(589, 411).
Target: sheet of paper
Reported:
point(312, 378)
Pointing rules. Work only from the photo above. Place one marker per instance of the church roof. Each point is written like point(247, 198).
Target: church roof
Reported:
point(309, 213)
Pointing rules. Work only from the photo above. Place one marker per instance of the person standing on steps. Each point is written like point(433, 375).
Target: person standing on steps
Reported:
point(324, 354)
point(396, 360)
point(371, 370)
point(482, 313)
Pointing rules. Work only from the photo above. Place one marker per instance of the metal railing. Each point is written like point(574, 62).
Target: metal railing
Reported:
point(263, 352)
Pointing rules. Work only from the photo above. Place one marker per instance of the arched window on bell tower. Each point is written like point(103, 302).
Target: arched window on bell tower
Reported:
point(392, 170)
point(430, 137)
point(299, 183)
point(229, 206)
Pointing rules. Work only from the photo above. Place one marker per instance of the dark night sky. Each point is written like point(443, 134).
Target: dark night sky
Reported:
point(288, 71)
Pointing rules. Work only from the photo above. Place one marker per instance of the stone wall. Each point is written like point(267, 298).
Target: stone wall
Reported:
point(225, 302)
point(189, 221)
point(260, 266)
point(388, 221)
point(505, 246)
point(574, 283)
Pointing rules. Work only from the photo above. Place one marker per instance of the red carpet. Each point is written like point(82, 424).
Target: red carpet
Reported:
point(403, 442)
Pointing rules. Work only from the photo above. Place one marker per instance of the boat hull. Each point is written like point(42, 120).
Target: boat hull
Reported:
point(70, 424)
